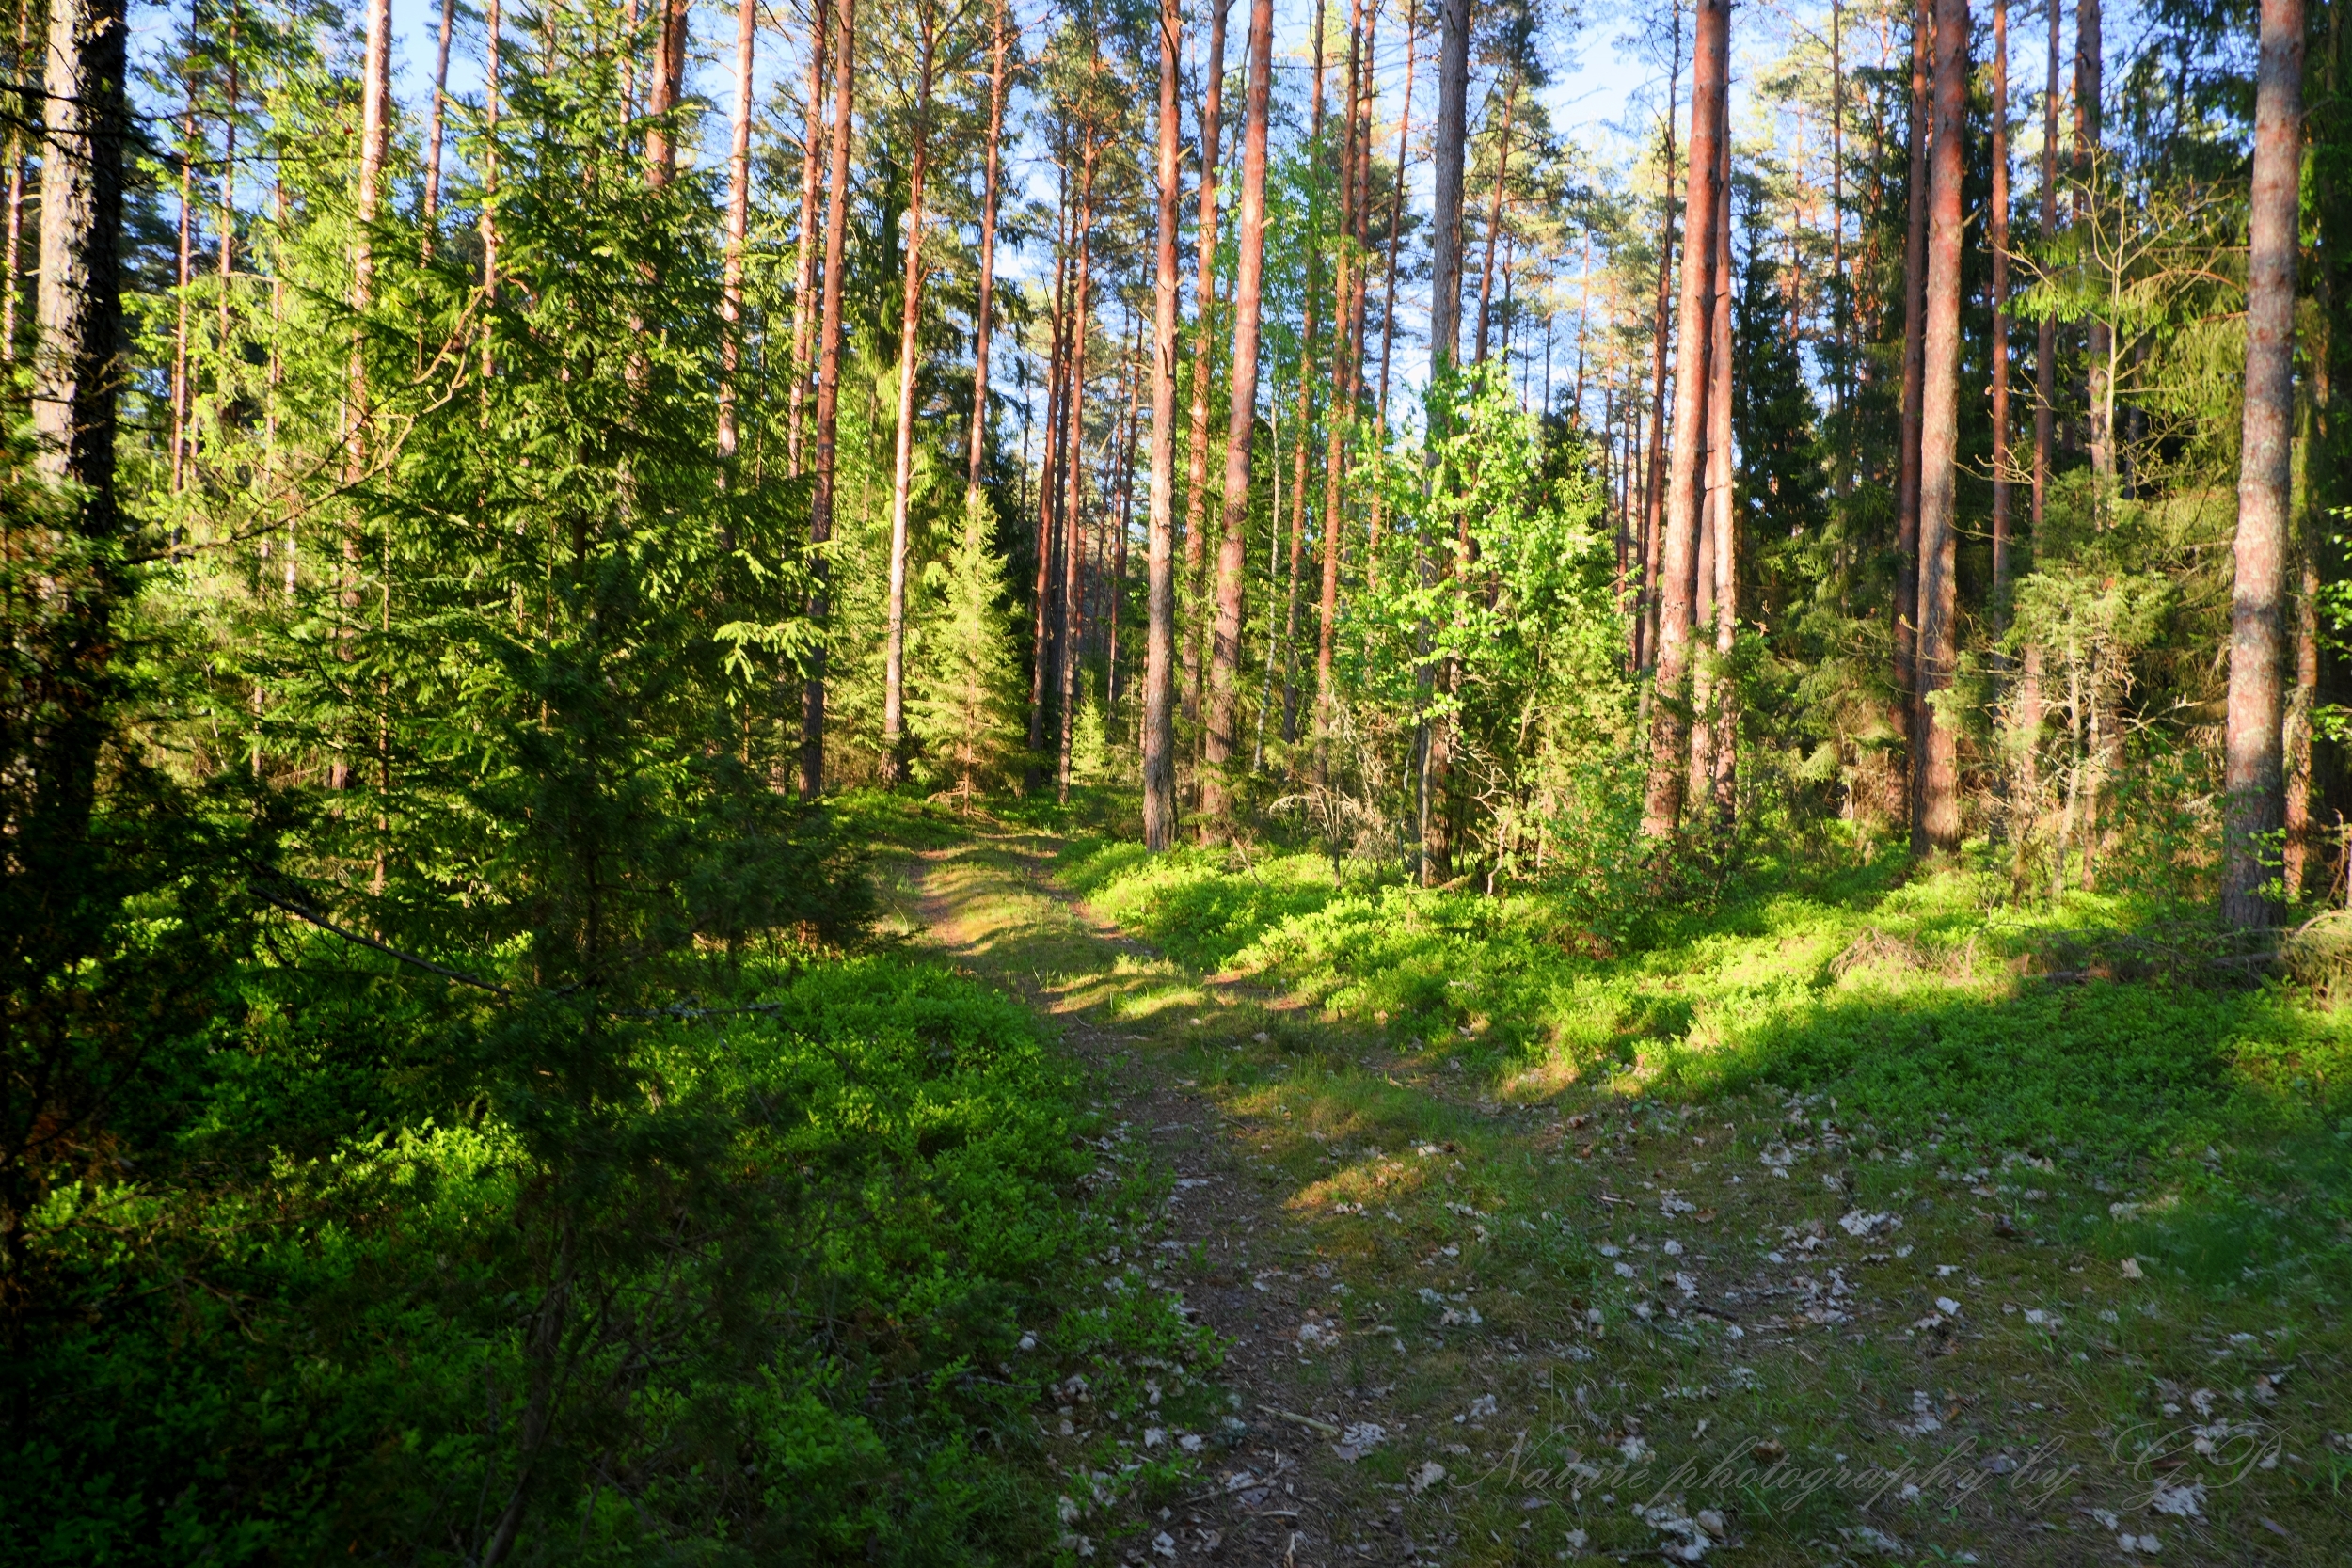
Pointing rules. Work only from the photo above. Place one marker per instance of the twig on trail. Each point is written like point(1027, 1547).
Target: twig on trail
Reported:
point(1324, 1427)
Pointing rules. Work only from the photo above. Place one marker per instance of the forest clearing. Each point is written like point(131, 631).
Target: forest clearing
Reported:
point(1458, 781)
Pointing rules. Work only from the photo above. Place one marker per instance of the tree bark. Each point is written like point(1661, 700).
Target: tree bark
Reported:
point(1305, 434)
point(1906, 627)
point(1670, 714)
point(2255, 809)
point(1494, 214)
point(1205, 313)
point(1387, 308)
point(1713, 710)
point(805, 284)
point(1073, 509)
point(435, 119)
point(828, 399)
point(1996, 240)
point(739, 225)
point(182, 398)
point(1042, 665)
point(2089, 85)
point(1159, 642)
point(2045, 335)
point(1450, 144)
point(1935, 778)
point(1654, 471)
point(1225, 654)
point(27, 73)
point(76, 380)
point(668, 86)
point(983, 313)
point(1346, 292)
point(902, 469)
point(1451, 136)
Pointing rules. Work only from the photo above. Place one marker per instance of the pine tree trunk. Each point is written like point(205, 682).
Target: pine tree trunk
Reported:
point(182, 389)
point(1725, 758)
point(1449, 140)
point(804, 277)
point(1449, 147)
point(1661, 344)
point(1494, 214)
point(1205, 313)
point(1914, 326)
point(669, 82)
point(2089, 84)
point(1159, 642)
point(902, 471)
point(1670, 713)
point(78, 313)
point(1042, 665)
point(2298, 712)
point(1225, 649)
point(228, 250)
point(1936, 766)
point(1387, 308)
point(27, 73)
point(2254, 809)
point(983, 314)
point(435, 134)
point(1305, 435)
point(1073, 508)
point(828, 398)
point(1348, 293)
point(1716, 506)
point(492, 37)
point(1996, 240)
point(738, 227)
point(2045, 336)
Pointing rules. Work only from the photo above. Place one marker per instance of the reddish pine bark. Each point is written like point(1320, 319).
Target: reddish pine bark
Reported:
point(2254, 809)
point(739, 224)
point(828, 398)
point(910, 333)
point(1225, 651)
point(1935, 766)
point(984, 309)
point(804, 277)
point(1914, 325)
point(1670, 713)
point(1204, 311)
point(1159, 642)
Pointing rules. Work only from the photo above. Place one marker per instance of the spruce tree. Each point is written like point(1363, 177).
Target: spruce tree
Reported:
point(964, 711)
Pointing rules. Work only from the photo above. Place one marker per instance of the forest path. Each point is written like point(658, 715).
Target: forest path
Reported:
point(1533, 1322)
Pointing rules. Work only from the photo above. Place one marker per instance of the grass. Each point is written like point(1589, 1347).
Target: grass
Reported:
point(1831, 1107)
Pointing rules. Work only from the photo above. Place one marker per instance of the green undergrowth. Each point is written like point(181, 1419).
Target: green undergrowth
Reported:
point(811, 1281)
point(1923, 1010)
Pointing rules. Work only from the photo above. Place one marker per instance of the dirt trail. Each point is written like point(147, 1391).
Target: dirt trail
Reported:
point(1279, 1494)
point(1533, 1321)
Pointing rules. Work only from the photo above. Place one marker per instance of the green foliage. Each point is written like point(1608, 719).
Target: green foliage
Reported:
point(963, 710)
point(1905, 1003)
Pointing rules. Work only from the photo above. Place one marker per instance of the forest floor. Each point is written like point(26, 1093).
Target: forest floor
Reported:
point(1483, 1320)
